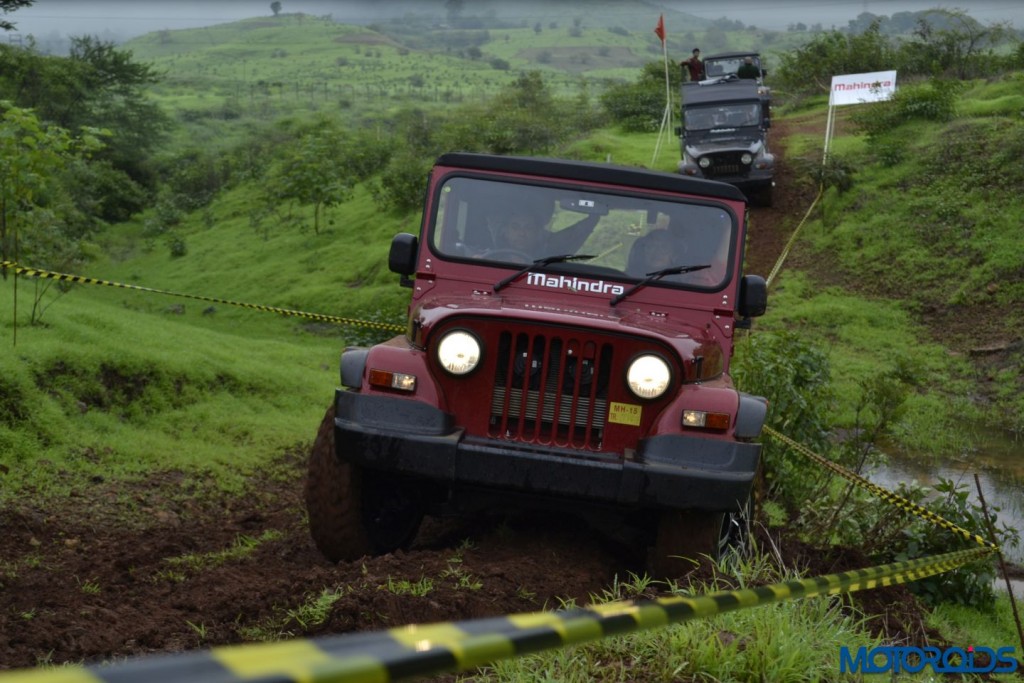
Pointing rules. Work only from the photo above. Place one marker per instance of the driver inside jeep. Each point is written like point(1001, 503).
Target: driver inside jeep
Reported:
point(525, 234)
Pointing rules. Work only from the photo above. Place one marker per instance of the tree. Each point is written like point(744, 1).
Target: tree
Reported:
point(115, 99)
point(952, 41)
point(324, 167)
point(275, 7)
point(97, 86)
point(36, 213)
point(8, 6)
point(810, 68)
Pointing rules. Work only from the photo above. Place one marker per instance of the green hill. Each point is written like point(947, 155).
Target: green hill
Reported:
point(247, 73)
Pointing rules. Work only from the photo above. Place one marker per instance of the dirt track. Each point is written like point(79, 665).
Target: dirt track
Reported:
point(77, 585)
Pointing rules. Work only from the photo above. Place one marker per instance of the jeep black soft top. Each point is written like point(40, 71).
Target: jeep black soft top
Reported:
point(589, 171)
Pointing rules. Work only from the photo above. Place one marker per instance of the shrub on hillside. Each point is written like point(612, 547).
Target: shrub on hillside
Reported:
point(636, 107)
point(401, 185)
point(810, 68)
point(795, 377)
point(639, 106)
point(195, 177)
point(100, 191)
point(970, 585)
point(932, 101)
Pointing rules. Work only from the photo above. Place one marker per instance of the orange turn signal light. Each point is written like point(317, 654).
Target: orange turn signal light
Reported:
point(392, 380)
point(700, 419)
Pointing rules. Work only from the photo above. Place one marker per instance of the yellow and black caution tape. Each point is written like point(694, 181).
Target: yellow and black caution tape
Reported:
point(414, 651)
point(422, 650)
point(881, 492)
point(792, 239)
point(81, 279)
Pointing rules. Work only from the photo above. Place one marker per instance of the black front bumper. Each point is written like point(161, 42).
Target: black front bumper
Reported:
point(669, 471)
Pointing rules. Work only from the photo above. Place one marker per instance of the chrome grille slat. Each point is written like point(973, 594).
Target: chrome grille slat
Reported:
point(548, 412)
point(551, 389)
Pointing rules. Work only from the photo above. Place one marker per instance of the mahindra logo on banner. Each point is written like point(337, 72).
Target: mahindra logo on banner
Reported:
point(858, 88)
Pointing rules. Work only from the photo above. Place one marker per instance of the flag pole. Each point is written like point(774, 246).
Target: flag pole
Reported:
point(666, 117)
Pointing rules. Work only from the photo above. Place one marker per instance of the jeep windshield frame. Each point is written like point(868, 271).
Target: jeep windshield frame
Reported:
point(476, 219)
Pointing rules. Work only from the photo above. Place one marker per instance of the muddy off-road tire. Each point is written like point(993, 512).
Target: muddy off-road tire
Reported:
point(684, 540)
point(352, 511)
point(334, 500)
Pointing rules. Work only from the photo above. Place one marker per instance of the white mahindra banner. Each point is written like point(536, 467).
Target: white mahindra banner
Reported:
point(857, 88)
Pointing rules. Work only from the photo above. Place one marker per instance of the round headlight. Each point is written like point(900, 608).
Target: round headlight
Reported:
point(458, 352)
point(704, 162)
point(746, 158)
point(648, 376)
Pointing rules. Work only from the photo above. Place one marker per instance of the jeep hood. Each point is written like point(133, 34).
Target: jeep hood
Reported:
point(582, 313)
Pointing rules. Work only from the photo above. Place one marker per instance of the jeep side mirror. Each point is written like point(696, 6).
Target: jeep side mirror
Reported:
point(402, 257)
point(753, 299)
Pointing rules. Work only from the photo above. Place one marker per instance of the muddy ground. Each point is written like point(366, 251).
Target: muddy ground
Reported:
point(79, 585)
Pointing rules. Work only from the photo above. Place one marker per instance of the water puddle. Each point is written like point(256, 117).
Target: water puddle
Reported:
point(999, 464)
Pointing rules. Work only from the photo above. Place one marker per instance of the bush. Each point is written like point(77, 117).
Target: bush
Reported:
point(795, 377)
point(401, 185)
point(810, 68)
point(639, 107)
point(835, 172)
point(194, 178)
point(933, 101)
point(971, 584)
point(177, 246)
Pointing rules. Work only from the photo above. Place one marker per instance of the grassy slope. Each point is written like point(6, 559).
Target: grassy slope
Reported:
point(923, 261)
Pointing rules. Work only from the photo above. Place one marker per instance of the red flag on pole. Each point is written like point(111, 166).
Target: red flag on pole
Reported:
point(659, 30)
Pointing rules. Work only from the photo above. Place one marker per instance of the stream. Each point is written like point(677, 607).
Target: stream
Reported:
point(999, 463)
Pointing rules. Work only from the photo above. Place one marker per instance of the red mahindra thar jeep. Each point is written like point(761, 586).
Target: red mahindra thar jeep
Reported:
point(568, 347)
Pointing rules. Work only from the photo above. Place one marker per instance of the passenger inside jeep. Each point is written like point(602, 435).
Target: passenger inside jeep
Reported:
point(655, 251)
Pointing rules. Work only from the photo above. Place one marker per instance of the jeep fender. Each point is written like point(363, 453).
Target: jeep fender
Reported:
point(750, 417)
point(395, 355)
point(747, 412)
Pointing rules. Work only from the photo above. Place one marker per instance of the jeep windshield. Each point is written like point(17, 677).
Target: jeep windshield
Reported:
point(583, 232)
point(716, 67)
point(722, 116)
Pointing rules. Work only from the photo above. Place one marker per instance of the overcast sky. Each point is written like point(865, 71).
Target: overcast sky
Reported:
point(127, 18)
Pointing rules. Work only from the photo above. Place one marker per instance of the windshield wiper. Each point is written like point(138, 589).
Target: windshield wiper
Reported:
point(657, 275)
point(542, 262)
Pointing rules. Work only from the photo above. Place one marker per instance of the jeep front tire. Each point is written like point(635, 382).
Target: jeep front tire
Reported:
point(334, 500)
